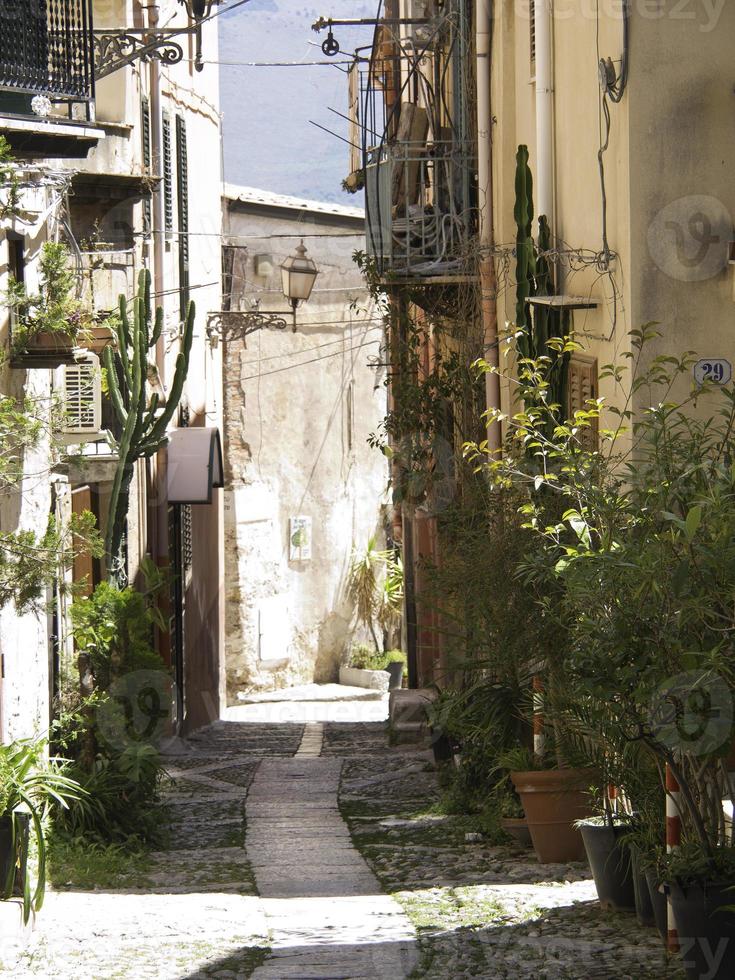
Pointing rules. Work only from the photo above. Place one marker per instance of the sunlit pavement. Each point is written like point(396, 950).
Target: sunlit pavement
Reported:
point(303, 845)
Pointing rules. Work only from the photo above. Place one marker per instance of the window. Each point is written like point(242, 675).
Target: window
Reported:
point(582, 387)
point(16, 265)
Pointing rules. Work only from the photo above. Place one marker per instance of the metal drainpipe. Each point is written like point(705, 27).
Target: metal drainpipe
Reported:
point(544, 113)
point(159, 532)
point(488, 279)
point(156, 160)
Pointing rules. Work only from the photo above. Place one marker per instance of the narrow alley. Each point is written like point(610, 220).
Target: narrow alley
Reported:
point(315, 849)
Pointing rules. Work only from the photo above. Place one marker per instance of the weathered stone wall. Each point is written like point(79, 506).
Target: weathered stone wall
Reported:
point(299, 407)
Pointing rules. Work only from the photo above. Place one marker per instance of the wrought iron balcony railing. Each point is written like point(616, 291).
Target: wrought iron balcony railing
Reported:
point(419, 208)
point(46, 48)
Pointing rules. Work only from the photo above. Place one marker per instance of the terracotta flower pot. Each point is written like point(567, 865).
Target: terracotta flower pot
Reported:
point(97, 338)
point(517, 827)
point(553, 800)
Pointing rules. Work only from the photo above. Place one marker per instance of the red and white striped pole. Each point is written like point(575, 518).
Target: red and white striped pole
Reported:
point(538, 717)
point(673, 842)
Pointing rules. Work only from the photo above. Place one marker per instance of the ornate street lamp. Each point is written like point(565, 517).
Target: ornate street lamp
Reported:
point(298, 275)
point(198, 11)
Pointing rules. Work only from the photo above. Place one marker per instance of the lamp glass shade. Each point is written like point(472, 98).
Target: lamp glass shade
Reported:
point(298, 274)
point(199, 9)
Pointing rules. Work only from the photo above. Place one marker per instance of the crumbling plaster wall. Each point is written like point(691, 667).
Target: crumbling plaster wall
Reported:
point(299, 407)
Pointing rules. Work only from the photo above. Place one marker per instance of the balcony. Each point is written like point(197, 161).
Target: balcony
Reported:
point(419, 211)
point(46, 49)
point(413, 149)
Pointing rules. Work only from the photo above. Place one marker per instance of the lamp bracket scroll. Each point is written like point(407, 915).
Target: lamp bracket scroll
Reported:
point(114, 50)
point(229, 325)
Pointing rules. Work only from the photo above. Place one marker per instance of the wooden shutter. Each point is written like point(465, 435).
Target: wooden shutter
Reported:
point(168, 174)
point(582, 387)
point(82, 396)
point(145, 121)
point(182, 158)
point(85, 570)
point(532, 34)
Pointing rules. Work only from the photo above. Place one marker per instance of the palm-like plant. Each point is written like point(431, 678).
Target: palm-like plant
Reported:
point(376, 587)
point(29, 784)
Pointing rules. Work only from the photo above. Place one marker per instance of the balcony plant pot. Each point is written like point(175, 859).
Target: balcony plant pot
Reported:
point(46, 350)
point(706, 932)
point(517, 828)
point(395, 671)
point(553, 801)
point(13, 852)
point(97, 338)
point(659, 903)
point(611, 865)
point(643, 904)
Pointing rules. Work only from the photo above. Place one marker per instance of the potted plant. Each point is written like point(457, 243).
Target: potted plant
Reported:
point(29, 784)
point(49, 327)
point(395, 664)
point(375, 586)
point(365, 668)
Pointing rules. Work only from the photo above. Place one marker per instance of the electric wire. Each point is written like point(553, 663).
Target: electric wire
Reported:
point(313, 360)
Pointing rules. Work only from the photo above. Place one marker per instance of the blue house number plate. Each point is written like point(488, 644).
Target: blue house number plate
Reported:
point(716, 370)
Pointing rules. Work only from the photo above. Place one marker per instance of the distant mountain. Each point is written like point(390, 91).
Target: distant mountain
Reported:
point(268, 139)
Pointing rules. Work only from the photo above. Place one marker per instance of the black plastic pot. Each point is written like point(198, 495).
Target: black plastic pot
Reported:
point(643, 905)
point(706, 933)
point(611, 866)
point(396, 675)
point(442, 746)
point(9, 854)
point(659, 904)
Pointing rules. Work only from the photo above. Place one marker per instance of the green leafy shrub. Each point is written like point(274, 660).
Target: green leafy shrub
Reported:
point(643, 561)
point(117, 762)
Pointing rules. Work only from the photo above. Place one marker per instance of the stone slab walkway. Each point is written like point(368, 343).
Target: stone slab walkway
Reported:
point(325, 912)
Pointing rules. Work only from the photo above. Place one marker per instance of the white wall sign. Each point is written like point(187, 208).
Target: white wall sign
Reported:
point(716, 370)
point(299, 538)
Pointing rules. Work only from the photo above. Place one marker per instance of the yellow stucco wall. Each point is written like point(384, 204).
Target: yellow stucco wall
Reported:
point(670, 192)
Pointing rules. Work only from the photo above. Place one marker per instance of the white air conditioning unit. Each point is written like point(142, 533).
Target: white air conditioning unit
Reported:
point(80, 388)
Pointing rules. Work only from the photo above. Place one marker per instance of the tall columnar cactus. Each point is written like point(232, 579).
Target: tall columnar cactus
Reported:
point(142, 432)
point(525, 255)
point(535, 277)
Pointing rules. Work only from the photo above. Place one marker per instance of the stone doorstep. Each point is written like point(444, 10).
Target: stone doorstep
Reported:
point(13, 932)
point(407, 714)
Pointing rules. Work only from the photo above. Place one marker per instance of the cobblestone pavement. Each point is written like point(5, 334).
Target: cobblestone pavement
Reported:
point(480, 911)
point(193, 912)
point(260, 879)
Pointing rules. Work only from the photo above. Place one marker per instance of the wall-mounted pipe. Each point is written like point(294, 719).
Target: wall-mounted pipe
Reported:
point(544, 183)
point(488, 278)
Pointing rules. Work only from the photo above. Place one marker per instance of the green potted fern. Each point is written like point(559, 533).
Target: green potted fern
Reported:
point(29, 784)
